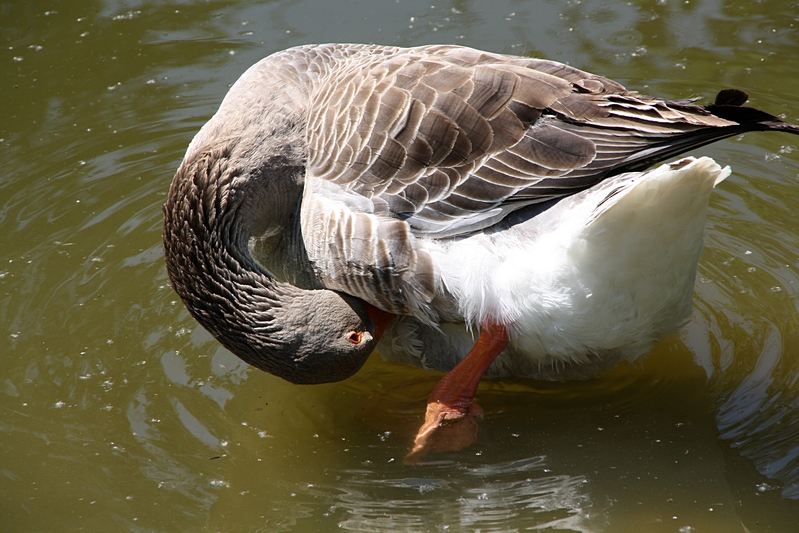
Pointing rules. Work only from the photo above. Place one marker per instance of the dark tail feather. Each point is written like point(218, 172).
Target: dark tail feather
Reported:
point(728, 105)
point(780, 126)
point(731, 97)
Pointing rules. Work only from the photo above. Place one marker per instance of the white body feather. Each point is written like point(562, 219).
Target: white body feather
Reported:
point(610, 272)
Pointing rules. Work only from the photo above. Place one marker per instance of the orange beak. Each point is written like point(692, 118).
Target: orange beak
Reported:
point(380, 319)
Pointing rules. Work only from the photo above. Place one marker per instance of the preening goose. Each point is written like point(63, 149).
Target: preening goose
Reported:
point(348, 194)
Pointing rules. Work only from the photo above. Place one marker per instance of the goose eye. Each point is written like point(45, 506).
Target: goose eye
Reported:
point(354, 337)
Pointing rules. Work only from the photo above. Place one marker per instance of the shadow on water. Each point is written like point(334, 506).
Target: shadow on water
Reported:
point(120, 414)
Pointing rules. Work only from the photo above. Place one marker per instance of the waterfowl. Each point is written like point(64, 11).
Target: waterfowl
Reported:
point(351, 197)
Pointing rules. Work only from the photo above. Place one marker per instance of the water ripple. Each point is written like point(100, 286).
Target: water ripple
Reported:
point(489, 498)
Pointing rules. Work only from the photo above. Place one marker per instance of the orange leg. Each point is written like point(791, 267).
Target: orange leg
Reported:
point(450, 421)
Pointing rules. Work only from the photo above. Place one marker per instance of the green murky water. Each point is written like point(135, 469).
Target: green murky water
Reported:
point(118, 413)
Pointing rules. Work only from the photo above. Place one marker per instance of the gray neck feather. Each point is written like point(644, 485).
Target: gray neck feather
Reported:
point(235, 183)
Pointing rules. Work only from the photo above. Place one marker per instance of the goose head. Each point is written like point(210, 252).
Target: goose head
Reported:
point(219, 198)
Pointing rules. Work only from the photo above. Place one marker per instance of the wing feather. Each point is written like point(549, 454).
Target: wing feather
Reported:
point(442, 141)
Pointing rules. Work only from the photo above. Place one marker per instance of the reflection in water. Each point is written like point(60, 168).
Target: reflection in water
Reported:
point(758, 406)
point(159, 464)
point(745, 332)
point(482, 498)
point(118, 413)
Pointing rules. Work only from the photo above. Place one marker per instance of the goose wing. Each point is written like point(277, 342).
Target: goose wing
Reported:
point(440, 141)
point(449, 139)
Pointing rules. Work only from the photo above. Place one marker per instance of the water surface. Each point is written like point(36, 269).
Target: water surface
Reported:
point(118, 413)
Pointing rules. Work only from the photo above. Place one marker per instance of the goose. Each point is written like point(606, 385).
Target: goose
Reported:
point(454, 209)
